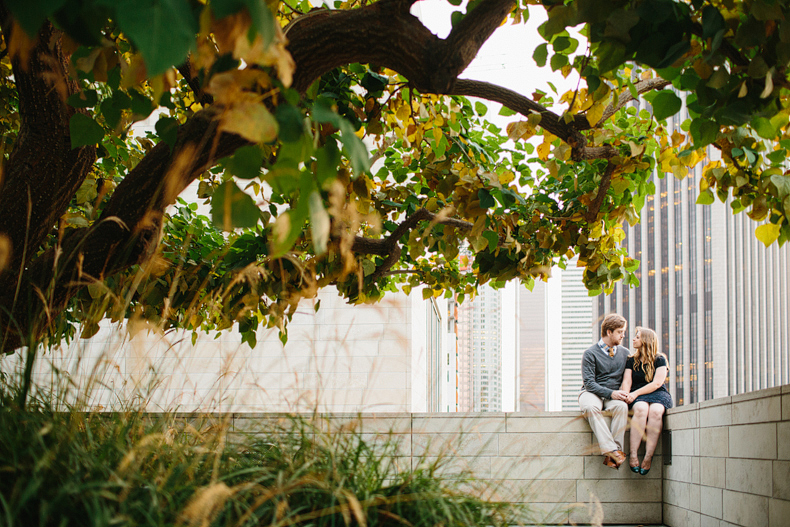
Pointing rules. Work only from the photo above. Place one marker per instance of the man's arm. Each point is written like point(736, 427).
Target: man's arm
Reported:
point(588, 377)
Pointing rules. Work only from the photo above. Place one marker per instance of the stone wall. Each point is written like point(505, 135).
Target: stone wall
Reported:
point(730, 462)
point(548, 460)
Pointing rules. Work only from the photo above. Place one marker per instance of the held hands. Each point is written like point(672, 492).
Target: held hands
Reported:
point(619, 395)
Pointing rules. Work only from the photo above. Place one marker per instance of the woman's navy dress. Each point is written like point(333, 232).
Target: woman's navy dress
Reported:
point(638, 380)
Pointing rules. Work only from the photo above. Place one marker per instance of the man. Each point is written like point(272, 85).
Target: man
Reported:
point(603, 365)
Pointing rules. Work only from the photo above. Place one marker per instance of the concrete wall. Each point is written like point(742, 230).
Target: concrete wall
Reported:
point(730, 462)
point(547, 460)
point(340, 358)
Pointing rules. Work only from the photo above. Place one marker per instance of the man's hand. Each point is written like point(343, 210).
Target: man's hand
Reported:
point(619, 395)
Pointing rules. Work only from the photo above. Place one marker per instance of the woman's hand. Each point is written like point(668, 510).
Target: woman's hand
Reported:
point(631, 397)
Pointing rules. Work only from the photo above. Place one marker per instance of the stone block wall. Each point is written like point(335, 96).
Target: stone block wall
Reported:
point(548, 460)
point(730, 462)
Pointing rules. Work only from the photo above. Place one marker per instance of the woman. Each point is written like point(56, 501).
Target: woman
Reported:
point(643, 380)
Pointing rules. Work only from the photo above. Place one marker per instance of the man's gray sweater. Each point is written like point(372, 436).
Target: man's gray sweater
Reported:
point(601, 373)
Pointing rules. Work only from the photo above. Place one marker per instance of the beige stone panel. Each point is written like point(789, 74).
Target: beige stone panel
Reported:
point(544, 467)
point(749, 475)
point(618, 513)
point(337, 348)
point(713, 472)
point(720, 415)
point(539, 490)
point(757, 411)
point(479, 467)
point(756, 441)
point(382, 423)
point(357, 315)
point(744, 509)
point(595, 469)
point(570, 444)
point(757, 394)
point(547, 514)
point(695, 470)
point(695, 497)
point(681, 417)
point(454, 444)
point(380, 380)
point(393, 364)
point(328, 380)
point(786, 406)
point(470, 424)
point(778, 513)
point(683, 442)
point(394, 347)
point(676, 493)
point(679, 470)
point(710, 501)
point(783, 437)
point(714, 441)
point(709, 521)
point(543, 424)
point(357, 332)
point(619, 491)
point(781, 480)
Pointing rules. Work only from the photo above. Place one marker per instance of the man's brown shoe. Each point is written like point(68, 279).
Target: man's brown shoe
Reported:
point(614, 459)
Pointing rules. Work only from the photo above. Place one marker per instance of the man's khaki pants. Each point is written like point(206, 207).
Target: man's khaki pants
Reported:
point(593, 407)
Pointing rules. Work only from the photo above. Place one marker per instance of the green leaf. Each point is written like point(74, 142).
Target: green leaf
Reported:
point(703, 131)
point(84, 99)
point(288, 226)
point(610, 53)
point(540, 55)
point(706, 197)
point(782, 184)
point(84, 131)
point(763, 127)
point(558, 61)
point(507, 112)
point(31, 14)
point(666, 104)
point(712, 22)
point(322, 113)
point(319, 223)
point(232, 208)
point(492, 238)
point(246, 162)
point(167, 129)
point(327, 159)
point(486, 199)
point(163, 30)
point(767, 233)
point(480, 108)
point(354, 147)
point(291, 121)
point(141, 105)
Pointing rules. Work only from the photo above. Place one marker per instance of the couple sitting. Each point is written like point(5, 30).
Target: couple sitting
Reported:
point(615, 382)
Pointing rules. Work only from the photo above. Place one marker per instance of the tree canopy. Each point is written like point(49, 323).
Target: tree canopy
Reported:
point(338, 146)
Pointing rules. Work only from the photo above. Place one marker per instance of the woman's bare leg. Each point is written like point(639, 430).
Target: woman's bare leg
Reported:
point(655, 422)
point(638, 422)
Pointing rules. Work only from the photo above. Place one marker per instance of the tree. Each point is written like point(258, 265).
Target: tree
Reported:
point(267, 107)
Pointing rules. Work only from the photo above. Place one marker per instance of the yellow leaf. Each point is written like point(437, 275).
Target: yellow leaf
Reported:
point(743, 91)
point(769, 85)
point(677, 138)
point(252, 121)
point(403, 112)
point(506, 177)
point(767, 233)
point(595, 113)
point(543, 150)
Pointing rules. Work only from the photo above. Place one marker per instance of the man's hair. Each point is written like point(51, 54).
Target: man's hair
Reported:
point(612, 322)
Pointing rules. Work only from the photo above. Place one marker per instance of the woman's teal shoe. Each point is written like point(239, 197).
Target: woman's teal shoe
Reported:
point(641, 470)
point(636, 470)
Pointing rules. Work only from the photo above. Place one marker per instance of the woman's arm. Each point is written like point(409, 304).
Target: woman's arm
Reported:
point(625, 386)
point(658, 379)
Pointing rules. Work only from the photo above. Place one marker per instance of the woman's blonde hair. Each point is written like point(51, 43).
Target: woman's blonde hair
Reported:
point(645, 356)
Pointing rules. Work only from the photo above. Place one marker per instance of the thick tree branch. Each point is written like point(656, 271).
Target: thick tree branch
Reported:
point(390, 246)
point(190, 75)
point(642, 87)
point(603, 188)
point(386, 34)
